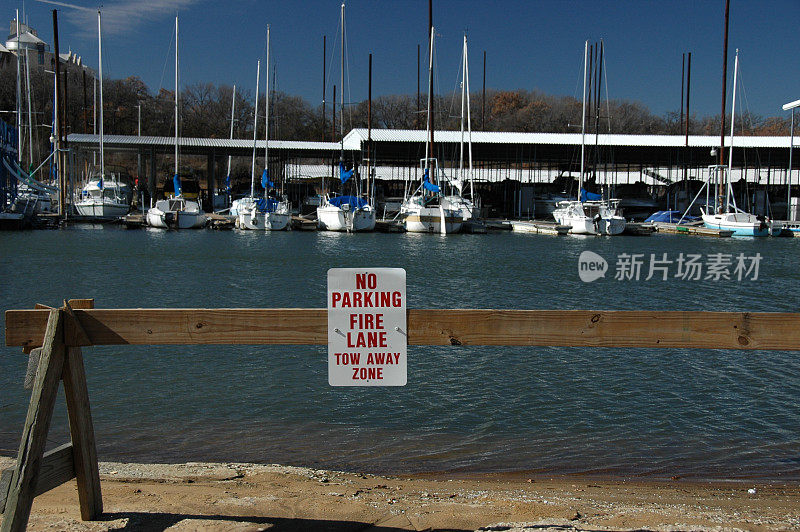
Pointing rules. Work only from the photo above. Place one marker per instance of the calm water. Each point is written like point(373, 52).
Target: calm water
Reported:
point(704, 413)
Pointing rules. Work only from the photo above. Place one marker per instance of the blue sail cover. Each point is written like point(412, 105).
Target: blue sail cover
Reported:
point(354, 202)
point(265, 181)
point(590, 196)
point(100, 183)
point(176, 181)
point(427, 184)
point(228, 183)
point(670, 217)
point(265, 205)
point(344, 175)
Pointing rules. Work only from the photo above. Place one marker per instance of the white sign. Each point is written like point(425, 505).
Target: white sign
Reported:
point(367, 335)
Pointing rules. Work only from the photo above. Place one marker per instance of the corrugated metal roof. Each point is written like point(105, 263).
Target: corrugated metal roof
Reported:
point(354, 140)
point(193, 142)
point(357, 137)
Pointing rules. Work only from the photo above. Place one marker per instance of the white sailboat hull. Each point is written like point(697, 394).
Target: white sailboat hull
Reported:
point(600, 220)
point(176, 214)
point(742, 224)
point(463, 207)
point(32, 202)
point(419, 219)
point(270, 221)
point(101, 209)
point(249, 217)
point(333, 218)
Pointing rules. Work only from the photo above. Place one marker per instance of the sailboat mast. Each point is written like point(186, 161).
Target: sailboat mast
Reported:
point(176, 98)
point(58, 124)
point(430, 79)
point(19, 98)
point(369, 134)
point(463, 88)
point(100, 72)
point(233, 114)
point(730, 150)
point(430, 102)
point(789, 175)
point(469, 119)
point(30, 111)
point(583, 118)
point(266, 120)
point(255, 133)
point(341, 88)
point(722, 112)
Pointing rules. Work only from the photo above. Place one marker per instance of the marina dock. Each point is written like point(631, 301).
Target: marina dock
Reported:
point(686, 229)
point(137, 220)
point(542, 228)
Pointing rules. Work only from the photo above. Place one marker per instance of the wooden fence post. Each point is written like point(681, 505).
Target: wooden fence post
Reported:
point(81, 429)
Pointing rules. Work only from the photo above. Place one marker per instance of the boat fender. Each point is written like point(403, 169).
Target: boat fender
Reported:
point(596, 220)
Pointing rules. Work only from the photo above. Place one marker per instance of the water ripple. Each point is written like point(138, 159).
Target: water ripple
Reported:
point(664, 412)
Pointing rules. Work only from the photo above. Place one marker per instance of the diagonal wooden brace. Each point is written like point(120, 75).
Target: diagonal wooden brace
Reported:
point(22, 487)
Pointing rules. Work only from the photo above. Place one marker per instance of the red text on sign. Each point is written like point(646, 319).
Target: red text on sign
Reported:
point(366, 280)
point(367, 339)
point(365, 374)
point(366, 321)
point(347, 358)
point(366, 299)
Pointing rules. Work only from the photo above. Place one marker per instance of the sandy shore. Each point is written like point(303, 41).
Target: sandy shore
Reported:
point(237, 497)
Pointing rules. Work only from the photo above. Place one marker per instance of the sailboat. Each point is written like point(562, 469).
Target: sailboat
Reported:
point(466, 208)
point(31, 197)
point(230, 157)
point(176, 212)
point(100, 197)
point(424, 210)
point(729, 217)
point(589, 214)
point(345, 212)
point(267, 213)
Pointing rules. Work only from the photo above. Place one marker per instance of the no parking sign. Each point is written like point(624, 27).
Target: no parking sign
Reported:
point(367, 335)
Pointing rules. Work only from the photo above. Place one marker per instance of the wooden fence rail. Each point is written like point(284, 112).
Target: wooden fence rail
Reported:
point(293, 326)
point(61, 333)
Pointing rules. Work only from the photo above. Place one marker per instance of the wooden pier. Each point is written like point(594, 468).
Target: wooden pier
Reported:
point(299, 223)
point(389, 226)
point(474, 227)
point(686, 229)
point(56, 336)
point(220, 221)
point(542, 228)
point(639, 229)
point(134, 221)
point(498, 225)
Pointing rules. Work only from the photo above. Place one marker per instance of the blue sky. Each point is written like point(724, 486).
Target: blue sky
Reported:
point(534, 45)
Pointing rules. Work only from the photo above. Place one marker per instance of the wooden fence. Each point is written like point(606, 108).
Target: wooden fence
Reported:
point(59, 334)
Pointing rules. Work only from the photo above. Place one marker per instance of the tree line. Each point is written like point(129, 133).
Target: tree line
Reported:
point(206, 112)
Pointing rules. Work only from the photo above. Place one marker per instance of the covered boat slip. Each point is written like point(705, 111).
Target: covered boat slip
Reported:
point(498, 156)
point(156, 152)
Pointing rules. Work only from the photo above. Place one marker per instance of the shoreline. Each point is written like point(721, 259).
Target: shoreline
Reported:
point(245, 496)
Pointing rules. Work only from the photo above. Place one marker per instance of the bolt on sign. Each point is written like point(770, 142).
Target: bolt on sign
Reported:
point(367, 335)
